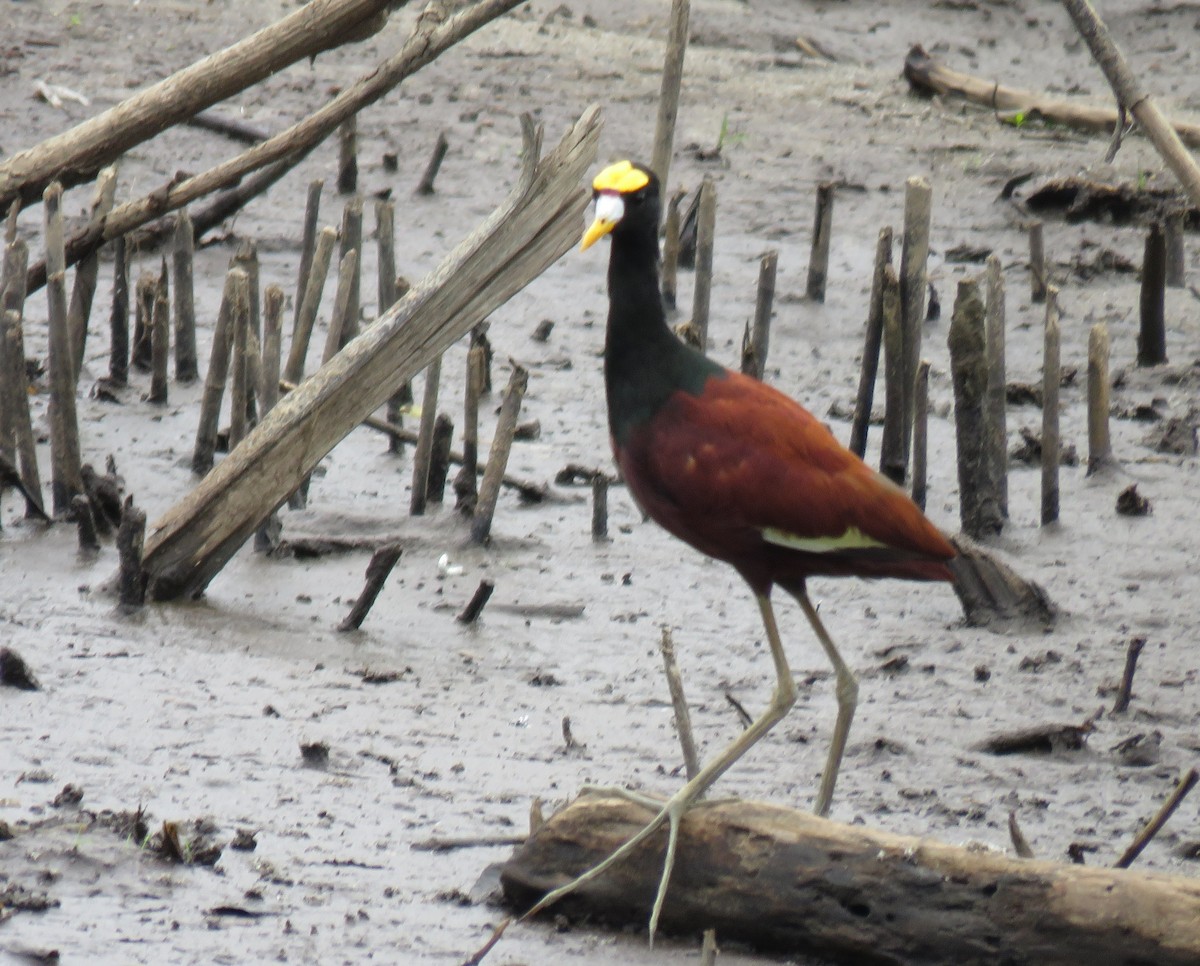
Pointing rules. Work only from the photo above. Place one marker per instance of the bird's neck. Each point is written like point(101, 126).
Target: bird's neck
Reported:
point(644, 362)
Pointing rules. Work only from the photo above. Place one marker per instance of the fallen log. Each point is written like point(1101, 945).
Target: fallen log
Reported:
point(528, 232)
point(76, 155)
point(785, 880)
point(929, 76)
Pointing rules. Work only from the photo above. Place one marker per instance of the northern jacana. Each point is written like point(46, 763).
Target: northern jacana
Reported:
point(742, 473)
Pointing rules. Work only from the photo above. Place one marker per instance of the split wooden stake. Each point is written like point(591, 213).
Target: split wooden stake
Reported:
point(683, 718)
point(670, 253)
point(439, 458)
point(506, 424)
point(340, 319)
point(1125, 690)
point(118, 321)
point(668, 96)
point(347, 182)
point(382, 562)
point(893, 458)
point(1173, 225)
point(818, 262)
point(1152, 335)
point(131, 536)
point(246, 258)
point(218, 367)
point(1051, 380)
point(13, 379)
point(240, 381)
point(88, 269)
point(160, 338)
point(706, 228)
point(424, 450)
point(66, 481)
point(352, 237)
point(267, 535)
point(308, 244)
point(389, 293)
point(425, 186)
point(187, 368)
point(85, 520)
point(1099, 440)
point(466, 484)
point(1037, 263)
point(914, 279)
point(470, 613)
point(385, 236)
point(995, 408)
point(293, 370)
point(142, 353)
point(978, 508)
point(15, 388)
point(757, 340)
point(872, 341)
point(920, 443)
point(599, 507)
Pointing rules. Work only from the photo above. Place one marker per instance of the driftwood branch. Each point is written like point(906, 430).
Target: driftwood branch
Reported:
point(76, 155)
point(929, 76)
point(786, 880)
point(1133, 98)
point(430, 38)
point(528, 232)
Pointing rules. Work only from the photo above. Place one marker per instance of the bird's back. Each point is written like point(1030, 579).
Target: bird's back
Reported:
point(745, 474)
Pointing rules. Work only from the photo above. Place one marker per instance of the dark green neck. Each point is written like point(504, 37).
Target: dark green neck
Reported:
point(644, 362)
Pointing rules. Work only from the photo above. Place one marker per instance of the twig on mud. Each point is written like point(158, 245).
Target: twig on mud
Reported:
point(477, 957)
point(475, 605)
point(382, 562)
point(436, 844)
point(1020, 843)
point(743, 715)
point(683, 720)
point(1125, 691)
point(1154, 826)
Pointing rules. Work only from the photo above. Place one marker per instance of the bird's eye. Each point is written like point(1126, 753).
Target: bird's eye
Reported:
point(636, 198)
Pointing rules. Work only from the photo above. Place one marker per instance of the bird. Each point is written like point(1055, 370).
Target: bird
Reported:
point(744, 474)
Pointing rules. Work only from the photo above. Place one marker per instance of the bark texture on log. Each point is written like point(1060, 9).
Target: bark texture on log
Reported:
point(537, 224)
point(786, 880)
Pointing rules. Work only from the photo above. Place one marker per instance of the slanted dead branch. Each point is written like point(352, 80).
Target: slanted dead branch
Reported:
point(930, 76)
point(536, 224)
point(76, 155)
point(430, 38)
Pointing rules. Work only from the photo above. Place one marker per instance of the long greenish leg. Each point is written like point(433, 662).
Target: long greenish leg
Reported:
point(782, 699)
point(847, 699)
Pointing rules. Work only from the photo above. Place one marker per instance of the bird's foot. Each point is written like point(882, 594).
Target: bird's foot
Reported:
point(670, 812)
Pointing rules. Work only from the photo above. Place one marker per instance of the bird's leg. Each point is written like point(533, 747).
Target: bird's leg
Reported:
point(847, 699)
point(673, 809)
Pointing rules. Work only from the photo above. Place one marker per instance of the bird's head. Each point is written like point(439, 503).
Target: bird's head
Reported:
point(627, 199)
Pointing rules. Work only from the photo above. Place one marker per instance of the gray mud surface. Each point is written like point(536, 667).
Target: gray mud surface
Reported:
point(197, 712)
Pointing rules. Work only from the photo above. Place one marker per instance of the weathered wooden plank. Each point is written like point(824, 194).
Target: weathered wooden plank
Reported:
point(537, 223)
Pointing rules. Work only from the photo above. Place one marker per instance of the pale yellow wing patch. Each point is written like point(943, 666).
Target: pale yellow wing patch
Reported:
point(852, 539)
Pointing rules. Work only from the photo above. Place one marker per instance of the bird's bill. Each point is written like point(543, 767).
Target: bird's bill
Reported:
point(609, 210)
